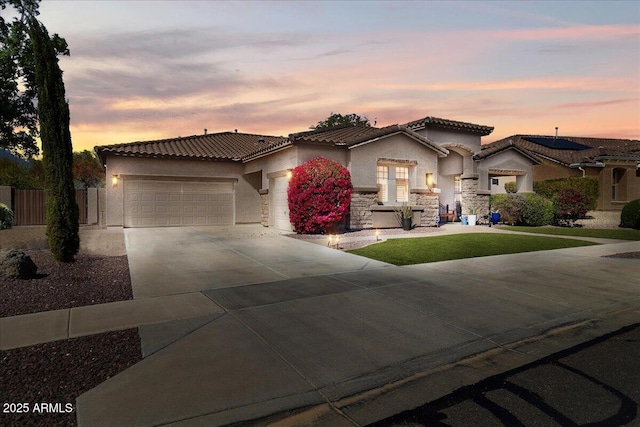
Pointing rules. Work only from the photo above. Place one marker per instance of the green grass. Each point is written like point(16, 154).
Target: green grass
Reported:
point(459, 246)
point(601, 233)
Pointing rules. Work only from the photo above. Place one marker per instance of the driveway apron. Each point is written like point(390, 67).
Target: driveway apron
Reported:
point(173, 260)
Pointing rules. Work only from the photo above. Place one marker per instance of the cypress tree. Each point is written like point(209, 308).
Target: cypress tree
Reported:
point(57, 151)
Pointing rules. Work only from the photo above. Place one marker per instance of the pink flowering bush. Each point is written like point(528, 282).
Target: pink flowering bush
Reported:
point(319, 195)
point(570, 205)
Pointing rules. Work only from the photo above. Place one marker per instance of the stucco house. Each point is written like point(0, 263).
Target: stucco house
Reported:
point(233, 178)
point(614, 163)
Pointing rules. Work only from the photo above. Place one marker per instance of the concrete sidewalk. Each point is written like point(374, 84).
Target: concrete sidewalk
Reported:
point(352, 345)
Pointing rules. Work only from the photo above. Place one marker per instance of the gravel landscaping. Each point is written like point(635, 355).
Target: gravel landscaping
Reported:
point(58, 372)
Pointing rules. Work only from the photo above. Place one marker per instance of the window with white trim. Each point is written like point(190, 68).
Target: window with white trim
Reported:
point(383, 183)
point(402, 184)
point(393, 183)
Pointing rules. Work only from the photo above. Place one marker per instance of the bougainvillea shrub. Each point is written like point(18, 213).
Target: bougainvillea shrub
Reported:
point(319, 195)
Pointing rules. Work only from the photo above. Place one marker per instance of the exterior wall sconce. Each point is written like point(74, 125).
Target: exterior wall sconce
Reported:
point(289, 174)
point(430, 180)
point(114, 180)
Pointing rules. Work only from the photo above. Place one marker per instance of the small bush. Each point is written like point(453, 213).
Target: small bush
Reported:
point(510, 207)
point(589, 187)
point(630, 215)
point(537, 210)
point(510, 187)
point(6, 217)
point(570, 205)
point(319, 195)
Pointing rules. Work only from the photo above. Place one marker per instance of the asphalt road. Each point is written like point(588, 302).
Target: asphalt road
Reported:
point(593, 384)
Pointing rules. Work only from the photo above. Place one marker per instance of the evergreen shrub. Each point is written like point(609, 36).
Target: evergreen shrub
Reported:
point(537, 210)
point(630, 215)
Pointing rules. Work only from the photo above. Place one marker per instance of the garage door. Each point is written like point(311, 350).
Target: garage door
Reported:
point(279, 206)
point(150, 203)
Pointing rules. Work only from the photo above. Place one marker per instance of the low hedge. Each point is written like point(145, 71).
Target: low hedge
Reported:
point(537, 210)
point(589, 187)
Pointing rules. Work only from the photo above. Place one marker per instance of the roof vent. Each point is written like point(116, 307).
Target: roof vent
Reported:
point(260, 139)
point(205, 131)
point(235, 130)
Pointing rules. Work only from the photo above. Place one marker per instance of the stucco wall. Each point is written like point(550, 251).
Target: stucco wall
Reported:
point(507, 160)
point(364, 160)
point(442, 136)
point(5, 196)
point(247, 207)
point(631, 182)
point(553, 170)
point(276, 162)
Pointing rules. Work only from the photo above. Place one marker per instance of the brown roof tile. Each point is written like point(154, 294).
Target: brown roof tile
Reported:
point(599, 147)
point(214, 146)
point(449, 124)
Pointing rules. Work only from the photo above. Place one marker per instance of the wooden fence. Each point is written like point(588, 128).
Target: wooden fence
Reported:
point(30, 209)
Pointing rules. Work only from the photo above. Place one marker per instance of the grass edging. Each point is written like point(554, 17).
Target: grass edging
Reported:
point(600, 233)
point(422, 250)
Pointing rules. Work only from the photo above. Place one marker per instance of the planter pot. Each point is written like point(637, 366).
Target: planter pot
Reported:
point(472, 219)
point(406, 223)
point(495, 217)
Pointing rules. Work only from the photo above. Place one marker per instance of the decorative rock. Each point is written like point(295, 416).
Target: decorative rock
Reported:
point(17, 264)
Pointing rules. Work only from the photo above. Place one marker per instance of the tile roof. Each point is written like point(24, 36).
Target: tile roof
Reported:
point(349, 135)
point(213, 146)
point(449, 124)
point(598, 148)
point(242, 146)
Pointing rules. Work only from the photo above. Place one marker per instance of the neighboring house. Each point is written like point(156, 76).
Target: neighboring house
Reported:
point(615, 163)
point(232, 178)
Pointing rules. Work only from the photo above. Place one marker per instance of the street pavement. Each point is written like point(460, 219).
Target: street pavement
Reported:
point(306, 335)
point(595, 383)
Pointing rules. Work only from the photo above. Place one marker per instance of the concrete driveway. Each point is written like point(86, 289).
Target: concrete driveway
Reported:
point(172, 260)
point(304, 326)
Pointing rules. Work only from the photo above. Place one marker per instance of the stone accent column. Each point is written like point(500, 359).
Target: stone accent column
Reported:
point(264, 207)
point(473, 198)
point(360, 210)
point(429, 202)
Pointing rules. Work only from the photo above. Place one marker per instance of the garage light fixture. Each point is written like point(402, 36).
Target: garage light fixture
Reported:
point(114, 180)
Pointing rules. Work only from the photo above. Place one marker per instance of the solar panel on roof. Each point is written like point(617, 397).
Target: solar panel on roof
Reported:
point(558, 143)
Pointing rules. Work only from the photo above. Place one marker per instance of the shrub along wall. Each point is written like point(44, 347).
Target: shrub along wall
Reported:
point(589, 187)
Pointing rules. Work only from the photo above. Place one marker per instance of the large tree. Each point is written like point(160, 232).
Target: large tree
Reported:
point(87, 170)
point(336, 119)
point(18, 113)
point(57, 156)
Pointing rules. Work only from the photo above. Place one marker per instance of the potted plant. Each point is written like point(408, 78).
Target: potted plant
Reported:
point(404, 213)
point(472, 217)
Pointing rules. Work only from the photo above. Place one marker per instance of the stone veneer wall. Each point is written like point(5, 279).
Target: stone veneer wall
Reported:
point(471, 198)
point(360, 211)
point(264, 207)
point(429, 202)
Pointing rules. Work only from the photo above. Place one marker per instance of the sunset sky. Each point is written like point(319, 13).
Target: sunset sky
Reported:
point(143, 70)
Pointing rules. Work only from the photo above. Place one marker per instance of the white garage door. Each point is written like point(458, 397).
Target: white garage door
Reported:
point(279, 206)
point(150, 203)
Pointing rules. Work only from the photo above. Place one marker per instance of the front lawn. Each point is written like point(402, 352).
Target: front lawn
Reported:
point(602, 233)
point(458, 246)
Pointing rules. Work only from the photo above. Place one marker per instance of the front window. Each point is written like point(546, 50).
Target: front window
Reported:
point(393, 183)
point(383, 183)
point(402, 184)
